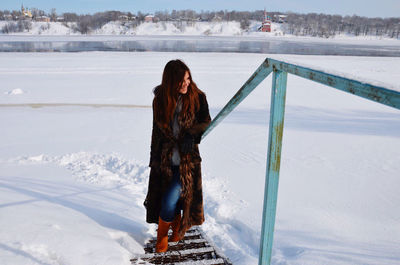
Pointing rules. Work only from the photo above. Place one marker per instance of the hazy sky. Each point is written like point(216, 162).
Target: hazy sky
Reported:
point(369, 8)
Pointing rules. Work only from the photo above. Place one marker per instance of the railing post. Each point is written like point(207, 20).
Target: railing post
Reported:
point(277, 112)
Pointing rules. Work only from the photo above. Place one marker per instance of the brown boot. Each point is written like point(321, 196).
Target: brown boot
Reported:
point(176, 224)
point(162, 236)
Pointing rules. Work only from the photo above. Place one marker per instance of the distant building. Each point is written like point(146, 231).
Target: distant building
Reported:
point(216, 18)
point(43, 19)
point(8, 17)
point(281, 18)
point(149, 18)
point(266, 24)
point(27, 14)
point(123, 18)
point(60, 19)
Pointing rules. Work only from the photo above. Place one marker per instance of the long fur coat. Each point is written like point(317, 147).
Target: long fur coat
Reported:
point(162, 143)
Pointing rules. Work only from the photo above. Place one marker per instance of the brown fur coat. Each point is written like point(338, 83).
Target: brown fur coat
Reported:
point(162, 143)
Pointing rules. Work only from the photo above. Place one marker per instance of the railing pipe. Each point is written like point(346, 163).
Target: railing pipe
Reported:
point(277, 113)
point(375, 93)
point(256, 78)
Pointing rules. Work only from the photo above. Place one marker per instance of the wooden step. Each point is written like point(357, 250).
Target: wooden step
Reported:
point(177, 256)
point(203, 262)
point(218, 261)
point(181, 245)
point(194, 249)
point(189, 235)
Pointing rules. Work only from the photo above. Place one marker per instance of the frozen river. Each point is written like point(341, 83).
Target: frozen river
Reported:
point(237, 44)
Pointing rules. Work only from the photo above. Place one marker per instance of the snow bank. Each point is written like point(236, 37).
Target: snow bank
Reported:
point(44, 28)
point(99, 169)
point(16, 91)
point(68, 222)
point(115, 28)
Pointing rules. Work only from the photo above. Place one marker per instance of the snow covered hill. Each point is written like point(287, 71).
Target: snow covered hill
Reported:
point(223, 28)
point(160, 28)
point(164, 28)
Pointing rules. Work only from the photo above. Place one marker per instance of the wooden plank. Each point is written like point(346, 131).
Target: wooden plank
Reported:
point(191, 236)
point(203, 262)
point(179, 253)
point(181, 245)
point(218, 261)
point(184, 241)
point(177, 256)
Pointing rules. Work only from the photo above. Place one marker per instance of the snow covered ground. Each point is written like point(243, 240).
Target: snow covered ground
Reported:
point(73, 178)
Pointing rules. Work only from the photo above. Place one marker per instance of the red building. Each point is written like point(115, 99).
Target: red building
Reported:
point(266, 24)
point(149, 18)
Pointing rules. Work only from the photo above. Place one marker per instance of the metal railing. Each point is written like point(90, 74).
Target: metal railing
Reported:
point(277, 110)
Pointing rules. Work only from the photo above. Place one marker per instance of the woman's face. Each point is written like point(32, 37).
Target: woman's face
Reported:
point(185, 83)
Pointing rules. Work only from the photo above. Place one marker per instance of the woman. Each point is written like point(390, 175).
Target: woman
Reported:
point(180, 116)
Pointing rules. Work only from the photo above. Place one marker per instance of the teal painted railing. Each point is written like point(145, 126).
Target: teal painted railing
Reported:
point(277, 110)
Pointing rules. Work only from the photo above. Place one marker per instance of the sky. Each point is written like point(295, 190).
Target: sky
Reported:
point(368, 8)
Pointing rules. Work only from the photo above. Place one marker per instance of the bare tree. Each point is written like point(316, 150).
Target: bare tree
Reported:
point(24, 25)
point(323, 25)
point(16, 14)
point(244, 24)
point(53, 14)
point(9, 28)
point(84, 24)
point(70, 17)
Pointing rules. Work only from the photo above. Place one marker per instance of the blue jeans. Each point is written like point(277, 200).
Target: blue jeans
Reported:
point(169, 201)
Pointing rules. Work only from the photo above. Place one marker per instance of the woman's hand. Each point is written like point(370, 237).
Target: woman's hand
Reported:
point(187, 143)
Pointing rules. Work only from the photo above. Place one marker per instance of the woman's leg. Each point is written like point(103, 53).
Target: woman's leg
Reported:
point(168, 209)
point(169, 202)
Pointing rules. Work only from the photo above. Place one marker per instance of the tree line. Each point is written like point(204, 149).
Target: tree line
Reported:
point(312, 24)
point(322, 25)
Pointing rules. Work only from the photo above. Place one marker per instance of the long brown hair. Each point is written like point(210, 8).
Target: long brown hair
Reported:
point(166, 94)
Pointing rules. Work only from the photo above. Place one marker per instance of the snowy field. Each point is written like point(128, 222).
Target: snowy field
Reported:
point(73, 177)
